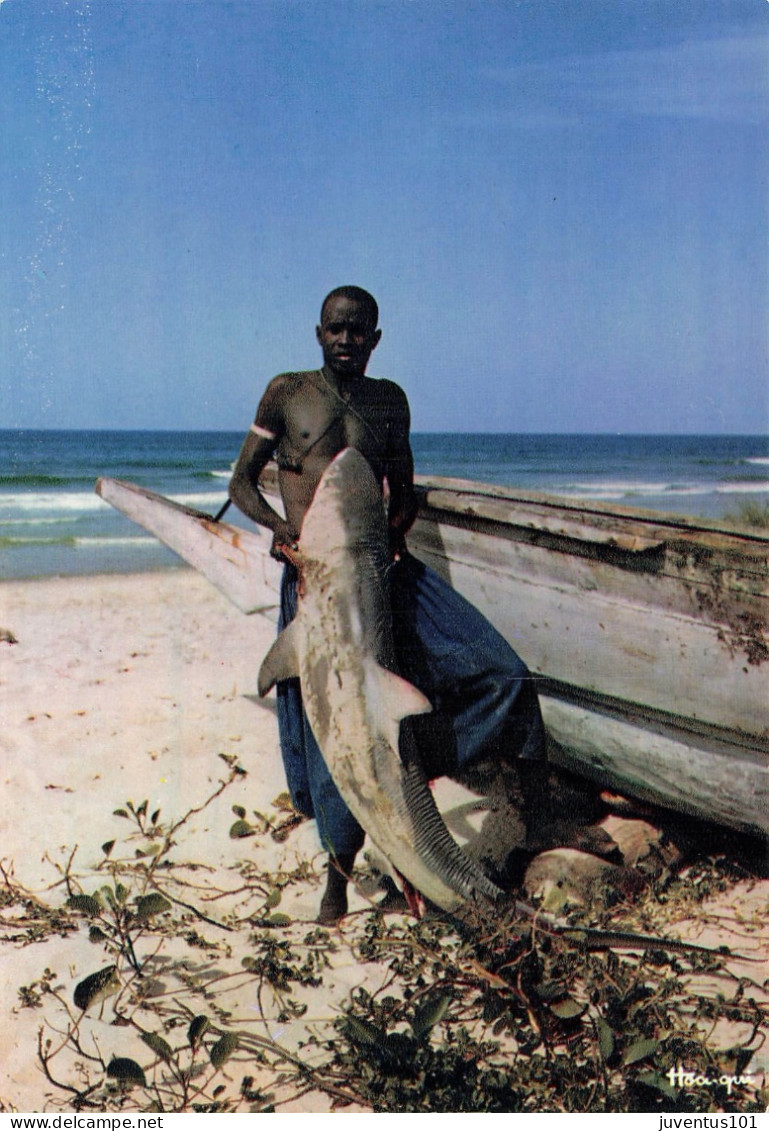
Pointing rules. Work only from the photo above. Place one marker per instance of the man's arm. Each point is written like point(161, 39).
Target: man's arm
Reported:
point(257, 450)
point(402, 507)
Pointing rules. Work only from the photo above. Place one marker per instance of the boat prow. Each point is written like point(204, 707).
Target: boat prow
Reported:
point(236, 561)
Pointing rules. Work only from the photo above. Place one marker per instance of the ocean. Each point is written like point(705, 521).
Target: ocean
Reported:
point(52, 522)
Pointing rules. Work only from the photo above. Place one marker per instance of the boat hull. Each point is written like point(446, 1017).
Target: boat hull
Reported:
point(648, 634)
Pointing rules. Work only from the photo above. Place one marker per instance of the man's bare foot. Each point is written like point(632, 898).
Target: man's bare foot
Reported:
point(393, 899)
point(333, 906)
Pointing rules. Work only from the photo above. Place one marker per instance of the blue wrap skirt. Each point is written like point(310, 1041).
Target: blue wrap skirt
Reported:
point(484, 699)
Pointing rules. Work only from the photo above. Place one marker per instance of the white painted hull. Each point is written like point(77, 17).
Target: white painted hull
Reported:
point(649, 634)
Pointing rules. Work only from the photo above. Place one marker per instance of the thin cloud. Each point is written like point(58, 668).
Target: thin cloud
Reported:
point(724, 80)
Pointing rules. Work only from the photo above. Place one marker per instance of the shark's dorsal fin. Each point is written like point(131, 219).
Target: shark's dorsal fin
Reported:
point(282, 660)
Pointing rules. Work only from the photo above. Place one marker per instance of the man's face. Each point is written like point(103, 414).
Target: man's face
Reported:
point(347, 336)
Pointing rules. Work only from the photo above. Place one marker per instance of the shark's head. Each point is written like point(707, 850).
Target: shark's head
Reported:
point(347, 510)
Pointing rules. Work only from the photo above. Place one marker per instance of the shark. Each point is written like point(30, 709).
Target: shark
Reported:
point(340, 645)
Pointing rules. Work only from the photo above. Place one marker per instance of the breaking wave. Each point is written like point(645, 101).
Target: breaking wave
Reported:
point(627, 489)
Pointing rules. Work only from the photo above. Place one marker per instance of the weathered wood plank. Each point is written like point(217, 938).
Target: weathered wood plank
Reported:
point(459, 494)
point(534, 520)
point(729, 562)
point(620, 642)
point(680, 771)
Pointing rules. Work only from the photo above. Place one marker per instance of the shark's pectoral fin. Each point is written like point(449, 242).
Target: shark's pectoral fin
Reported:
point(282, 660)
point(396, 698)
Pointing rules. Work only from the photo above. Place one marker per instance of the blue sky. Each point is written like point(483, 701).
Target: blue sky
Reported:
point(561, 207)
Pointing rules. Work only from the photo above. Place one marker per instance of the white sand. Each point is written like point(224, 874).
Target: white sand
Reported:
point(120, 688)
point(126, 688)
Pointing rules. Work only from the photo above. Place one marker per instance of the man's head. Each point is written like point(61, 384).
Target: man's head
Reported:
point(348, 332)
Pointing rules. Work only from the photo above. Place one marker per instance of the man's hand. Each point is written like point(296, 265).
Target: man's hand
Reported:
point(397, 544)
point(399, 524)
point(284, 540)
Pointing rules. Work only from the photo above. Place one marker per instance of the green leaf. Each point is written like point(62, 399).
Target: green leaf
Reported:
point(119, 813)
point(96, 987)
point(121, 893)
point(278, 920)
point(263, 823)
point(430, 1014)
point(198, 1026)
point(109, 896)
point(152, 904)
point(575, 935)
point(154, 817)
point(492, 1009)
point(567, 1009)
point(97, 935)
point(239, 811)
point(85, 903)
point(605, 1038)
point(107, 847)
point(142, 810)
point(639, 1050)
point(241, 829)
point(158, 1045)
point(659, 1083)
point(223, 1049)
point(362, 1032)
point(550, 991)
point(741, 1061)
point(126, 1071)
point(274, 898)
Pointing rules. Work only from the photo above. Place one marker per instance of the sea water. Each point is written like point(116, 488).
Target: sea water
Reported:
point(52, 522)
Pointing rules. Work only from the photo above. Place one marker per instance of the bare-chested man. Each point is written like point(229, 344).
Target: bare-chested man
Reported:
point(305, 419)
point(483, 698)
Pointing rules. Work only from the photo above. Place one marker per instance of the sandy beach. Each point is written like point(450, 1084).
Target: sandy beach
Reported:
point(121, 690)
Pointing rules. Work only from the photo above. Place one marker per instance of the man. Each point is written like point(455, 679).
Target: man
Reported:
point(484, 702)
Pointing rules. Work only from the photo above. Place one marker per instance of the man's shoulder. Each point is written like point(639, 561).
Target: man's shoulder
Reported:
point(286, 384)
point(294, 377)
point(387, 389)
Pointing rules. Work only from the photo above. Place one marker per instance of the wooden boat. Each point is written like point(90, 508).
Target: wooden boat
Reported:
point(648, 633)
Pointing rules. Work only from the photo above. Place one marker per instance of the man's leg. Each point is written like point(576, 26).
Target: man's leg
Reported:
point(291, 724)
point(333, 905)
point(310, 784)
point(314, 794)
point(339, 832)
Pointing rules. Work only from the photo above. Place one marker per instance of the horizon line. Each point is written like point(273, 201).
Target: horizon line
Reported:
point(414, 432)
